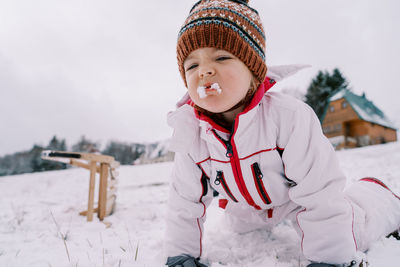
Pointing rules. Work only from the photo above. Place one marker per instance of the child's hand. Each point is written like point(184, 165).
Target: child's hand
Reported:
point(184, 261)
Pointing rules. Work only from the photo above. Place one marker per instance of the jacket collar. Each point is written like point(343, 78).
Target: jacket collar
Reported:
point(262, 89)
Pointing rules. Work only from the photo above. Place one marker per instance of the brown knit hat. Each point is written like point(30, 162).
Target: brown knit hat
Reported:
point(230, 25)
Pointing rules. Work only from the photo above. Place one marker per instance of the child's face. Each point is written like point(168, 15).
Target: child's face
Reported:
point(205, 66)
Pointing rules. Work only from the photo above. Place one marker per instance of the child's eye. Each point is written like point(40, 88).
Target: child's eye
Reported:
point(222, 58)
point(191, 67)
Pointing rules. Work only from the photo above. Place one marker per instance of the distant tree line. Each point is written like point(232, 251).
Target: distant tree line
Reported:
point(31, 161)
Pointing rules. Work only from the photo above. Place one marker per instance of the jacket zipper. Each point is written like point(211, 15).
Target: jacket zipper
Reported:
point(231, 153)
point(257, 174)
point(221, 180)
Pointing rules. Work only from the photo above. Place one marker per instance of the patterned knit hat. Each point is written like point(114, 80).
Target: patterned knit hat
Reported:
point(230, 25)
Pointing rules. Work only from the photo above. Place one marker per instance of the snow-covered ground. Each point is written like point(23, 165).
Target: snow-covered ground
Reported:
point(40, 225)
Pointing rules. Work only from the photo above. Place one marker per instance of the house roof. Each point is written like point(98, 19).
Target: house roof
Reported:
point(365, 109)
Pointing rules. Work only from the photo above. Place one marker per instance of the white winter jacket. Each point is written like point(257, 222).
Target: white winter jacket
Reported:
point(275, 156)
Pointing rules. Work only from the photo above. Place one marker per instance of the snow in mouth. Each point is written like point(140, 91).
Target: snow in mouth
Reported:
point(201, 90)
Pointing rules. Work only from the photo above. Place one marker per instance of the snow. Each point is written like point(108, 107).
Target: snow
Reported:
point(338, 95)
point(372, 117)
point(38, 209)
point(336, 140)
point(201, 90)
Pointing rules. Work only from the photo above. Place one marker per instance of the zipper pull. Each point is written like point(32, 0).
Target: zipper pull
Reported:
point(218, 179)
point(257, 171)
point(229, 150)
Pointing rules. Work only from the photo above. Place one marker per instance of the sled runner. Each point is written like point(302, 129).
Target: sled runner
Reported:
point(105, 166)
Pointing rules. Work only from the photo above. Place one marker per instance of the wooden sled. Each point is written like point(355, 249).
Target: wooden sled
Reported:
point(105, 166)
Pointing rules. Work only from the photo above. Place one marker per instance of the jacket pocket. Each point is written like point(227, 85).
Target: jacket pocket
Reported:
point(220, 180)
point(258, 176)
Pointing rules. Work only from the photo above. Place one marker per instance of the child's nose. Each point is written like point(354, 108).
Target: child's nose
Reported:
point(206, 71)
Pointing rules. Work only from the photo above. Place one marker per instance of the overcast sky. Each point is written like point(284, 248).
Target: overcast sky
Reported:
point(107, 69)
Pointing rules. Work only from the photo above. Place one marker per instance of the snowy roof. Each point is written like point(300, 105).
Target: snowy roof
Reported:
point(338, 95)
point(364, 108)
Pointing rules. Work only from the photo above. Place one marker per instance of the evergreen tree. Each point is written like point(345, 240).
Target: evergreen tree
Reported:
point(85, 145)
point(56, 144)
point(124, 153)
point(322, 87)
point(336, 80)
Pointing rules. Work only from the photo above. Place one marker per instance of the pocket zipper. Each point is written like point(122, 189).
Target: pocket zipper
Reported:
point(221, 180)
point(258, 176)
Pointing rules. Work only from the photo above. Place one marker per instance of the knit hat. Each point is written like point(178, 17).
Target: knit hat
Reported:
point(230, 25)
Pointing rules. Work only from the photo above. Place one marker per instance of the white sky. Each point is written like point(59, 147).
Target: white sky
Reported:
point(107, 69)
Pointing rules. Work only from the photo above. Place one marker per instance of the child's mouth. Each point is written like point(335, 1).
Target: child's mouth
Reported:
point(209, 89)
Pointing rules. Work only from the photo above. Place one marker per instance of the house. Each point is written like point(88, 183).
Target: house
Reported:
point(351, 120)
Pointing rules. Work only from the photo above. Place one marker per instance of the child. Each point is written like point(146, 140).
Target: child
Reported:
point(264, 152)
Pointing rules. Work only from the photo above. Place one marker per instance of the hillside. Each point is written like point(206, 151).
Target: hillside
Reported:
point(38, 209)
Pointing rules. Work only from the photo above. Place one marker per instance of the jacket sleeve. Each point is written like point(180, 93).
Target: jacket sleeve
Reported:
point(326, 219)
point(188, 198)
